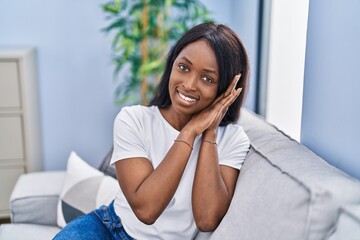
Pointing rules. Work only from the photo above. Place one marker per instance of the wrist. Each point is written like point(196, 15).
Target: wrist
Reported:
point(209, 134)
point(187, 135)
point(209, 137)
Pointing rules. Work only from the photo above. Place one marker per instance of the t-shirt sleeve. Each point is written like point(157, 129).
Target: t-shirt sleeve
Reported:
point(234, 147)
point(128, 135)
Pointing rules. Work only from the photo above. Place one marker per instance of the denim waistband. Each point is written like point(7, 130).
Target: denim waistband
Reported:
point(112, 222)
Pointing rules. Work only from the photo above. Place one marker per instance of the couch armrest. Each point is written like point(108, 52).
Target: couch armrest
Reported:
point(348, 224)
point(35, 198)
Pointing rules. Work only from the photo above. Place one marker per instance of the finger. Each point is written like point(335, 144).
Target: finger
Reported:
point(220, 102)
point(235, 95)
point(231, 89)
point(224, 103)
point(232, 86)
point(231, 99)
point(222, 107)
point(218, 99)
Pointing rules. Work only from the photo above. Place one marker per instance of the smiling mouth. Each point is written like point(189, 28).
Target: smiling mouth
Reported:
point(186, 98)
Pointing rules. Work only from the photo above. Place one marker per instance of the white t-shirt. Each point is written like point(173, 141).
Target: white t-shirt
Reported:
point(141, 131)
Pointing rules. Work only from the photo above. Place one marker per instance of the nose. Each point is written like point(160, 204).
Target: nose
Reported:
point(190, 82)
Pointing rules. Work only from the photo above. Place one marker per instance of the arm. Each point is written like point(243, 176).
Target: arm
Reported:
point(149, 190)
point(214, 185)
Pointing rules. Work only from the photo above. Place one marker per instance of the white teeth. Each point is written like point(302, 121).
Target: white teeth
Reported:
point(187, 98)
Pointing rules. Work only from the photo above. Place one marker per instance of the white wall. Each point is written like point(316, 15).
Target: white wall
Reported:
point(287, 42)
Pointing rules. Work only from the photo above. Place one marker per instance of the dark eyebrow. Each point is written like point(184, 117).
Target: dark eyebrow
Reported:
point(187, 60)
point(210, 71)
point(205, 70)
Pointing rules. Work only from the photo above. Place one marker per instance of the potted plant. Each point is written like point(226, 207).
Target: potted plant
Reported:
point(143, 31)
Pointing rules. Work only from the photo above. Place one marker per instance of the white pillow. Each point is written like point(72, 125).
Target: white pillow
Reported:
point(85, 189)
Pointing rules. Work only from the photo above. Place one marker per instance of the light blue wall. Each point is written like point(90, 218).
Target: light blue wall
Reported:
point(245, 16)
point(331, 105)
point(74, 70)
point(74, 73)
point(242, 17)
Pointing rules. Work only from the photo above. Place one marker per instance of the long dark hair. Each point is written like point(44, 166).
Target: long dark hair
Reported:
point(231, 58)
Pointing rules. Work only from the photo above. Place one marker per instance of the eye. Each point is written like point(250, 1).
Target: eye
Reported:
point(183, 68)
point(207, 79)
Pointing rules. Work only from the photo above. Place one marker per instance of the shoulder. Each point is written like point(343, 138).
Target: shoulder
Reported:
point(233, 131)
point(136, 109)
point(233, 145)
point(136, 112)
point(134, 117)
point(232, 136)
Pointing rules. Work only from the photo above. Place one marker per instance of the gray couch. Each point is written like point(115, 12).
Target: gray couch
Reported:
point(284, 192)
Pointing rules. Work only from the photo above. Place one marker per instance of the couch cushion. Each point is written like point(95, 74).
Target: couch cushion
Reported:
point(284, 190)
point(348, 225)
point(27, 231)
point(105, 165)
point(268, 204)
point(85, 188)
point(35, 191)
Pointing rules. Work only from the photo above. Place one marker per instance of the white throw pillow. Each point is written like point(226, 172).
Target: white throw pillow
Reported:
point(85, 189)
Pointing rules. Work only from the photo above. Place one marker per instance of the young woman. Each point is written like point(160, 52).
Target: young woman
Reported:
point(178, 159)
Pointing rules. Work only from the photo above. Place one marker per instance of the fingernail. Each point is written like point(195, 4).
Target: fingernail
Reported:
point(233, 89)
point(238, 78)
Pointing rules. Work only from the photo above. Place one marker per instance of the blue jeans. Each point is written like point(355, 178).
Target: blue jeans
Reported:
point(103, 223)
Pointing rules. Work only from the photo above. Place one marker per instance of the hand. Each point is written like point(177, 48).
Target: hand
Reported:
point(210, 117)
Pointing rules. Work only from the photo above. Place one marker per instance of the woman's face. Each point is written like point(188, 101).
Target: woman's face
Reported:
point(194, 79)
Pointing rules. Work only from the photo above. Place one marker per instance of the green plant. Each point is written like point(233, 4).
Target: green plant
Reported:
point(143, 31)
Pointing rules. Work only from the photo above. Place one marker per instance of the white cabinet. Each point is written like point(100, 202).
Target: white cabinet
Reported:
point(20, 136)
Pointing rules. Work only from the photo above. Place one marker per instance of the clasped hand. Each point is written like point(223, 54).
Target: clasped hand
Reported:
point(210, 117)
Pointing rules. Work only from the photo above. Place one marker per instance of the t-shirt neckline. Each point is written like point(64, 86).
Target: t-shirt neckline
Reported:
point(165, 122)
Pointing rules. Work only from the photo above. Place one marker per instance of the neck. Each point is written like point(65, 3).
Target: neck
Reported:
point(175, 119)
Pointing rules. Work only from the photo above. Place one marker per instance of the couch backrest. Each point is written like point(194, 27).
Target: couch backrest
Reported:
point(284, 190)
